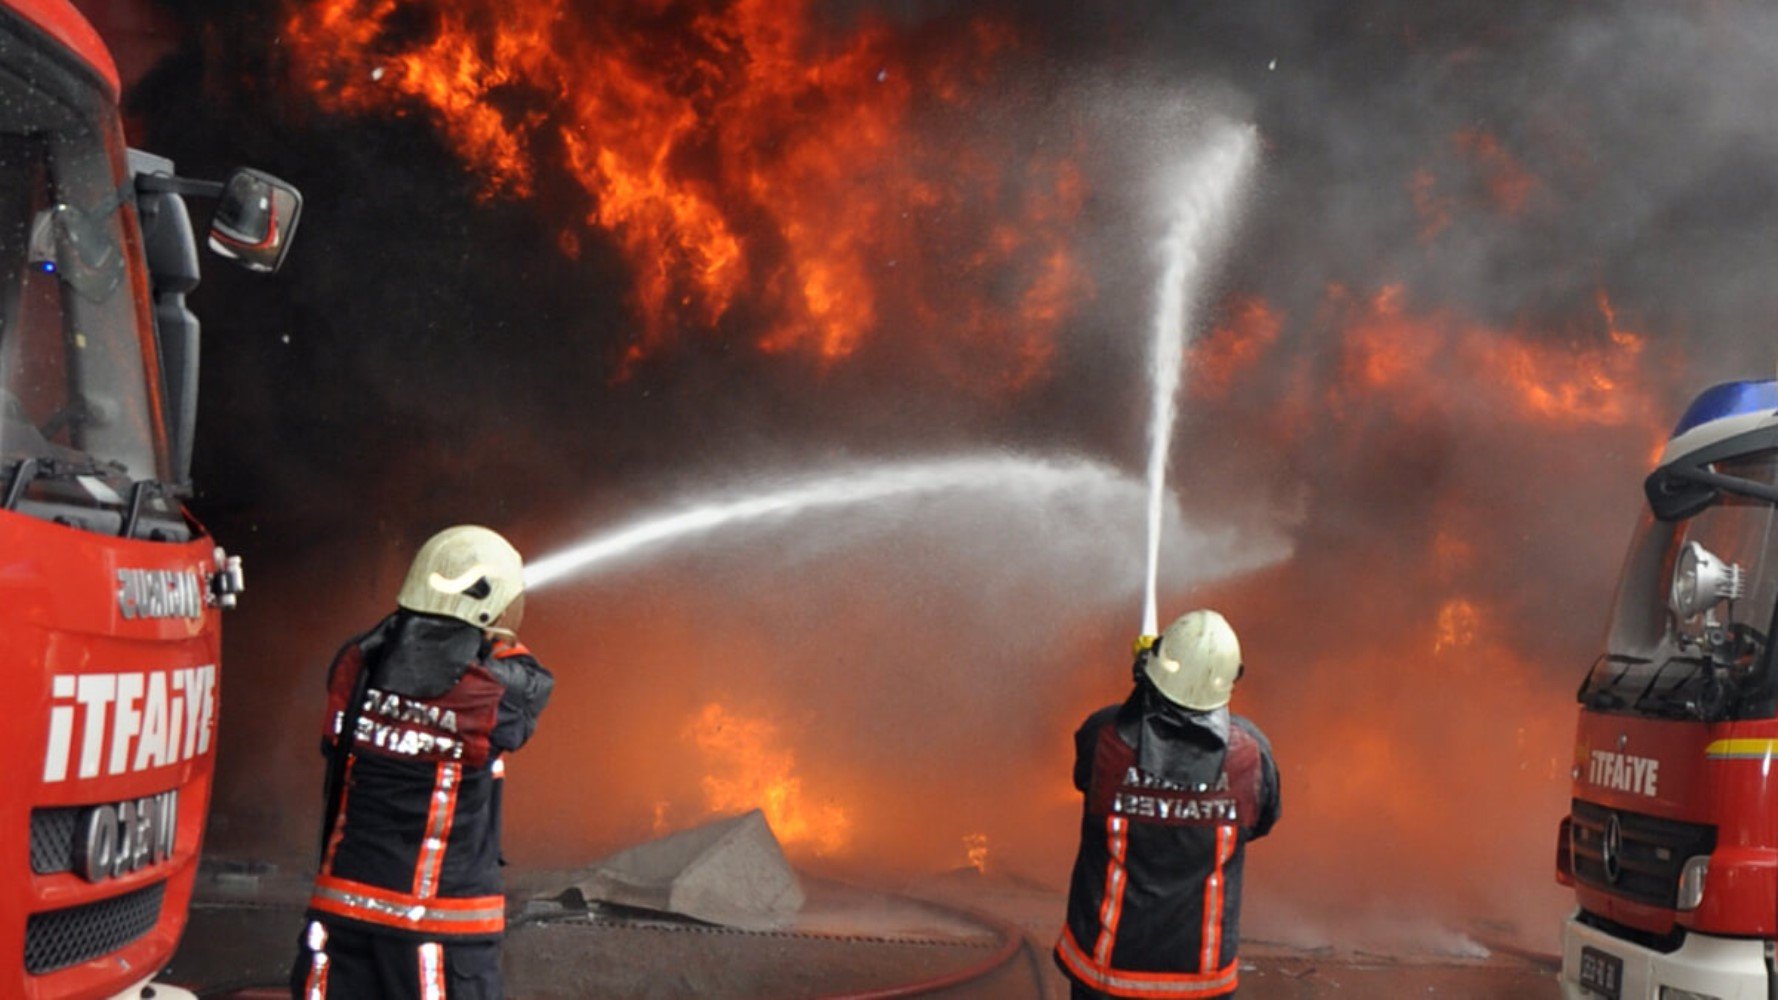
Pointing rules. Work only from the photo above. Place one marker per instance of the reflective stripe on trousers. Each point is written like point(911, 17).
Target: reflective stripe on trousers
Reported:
point(316, 986)
point(432, 981)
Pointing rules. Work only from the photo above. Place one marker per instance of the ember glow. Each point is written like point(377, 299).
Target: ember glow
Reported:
point(975, 851)
point(748, 160)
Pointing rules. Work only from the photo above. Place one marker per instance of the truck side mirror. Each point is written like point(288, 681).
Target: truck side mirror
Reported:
point(255, 219)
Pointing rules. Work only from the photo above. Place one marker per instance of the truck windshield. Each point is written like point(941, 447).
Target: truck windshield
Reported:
point(75, 345)
point(1687, 656)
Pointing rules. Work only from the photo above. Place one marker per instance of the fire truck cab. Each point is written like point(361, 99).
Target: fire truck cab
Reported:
point(110, 591)
point(1671, 844)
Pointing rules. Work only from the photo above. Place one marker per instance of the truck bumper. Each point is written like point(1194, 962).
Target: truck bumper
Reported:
point(1726, 968)
point(147, 989)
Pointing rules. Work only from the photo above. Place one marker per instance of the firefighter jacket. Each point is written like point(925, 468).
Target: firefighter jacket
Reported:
point(1171, 799)
point(413, 847)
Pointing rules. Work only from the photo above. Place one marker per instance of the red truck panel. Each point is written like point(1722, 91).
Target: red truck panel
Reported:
point(109, 655)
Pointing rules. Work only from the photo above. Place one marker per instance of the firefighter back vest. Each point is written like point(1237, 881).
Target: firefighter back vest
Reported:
point(1154, 903)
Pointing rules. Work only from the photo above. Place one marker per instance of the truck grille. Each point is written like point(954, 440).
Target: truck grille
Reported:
point(1653, 852)
point(52, 839)
point(60, 938)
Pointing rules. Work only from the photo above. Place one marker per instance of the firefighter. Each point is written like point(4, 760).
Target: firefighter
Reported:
point(408, 900)
point(1175, 786)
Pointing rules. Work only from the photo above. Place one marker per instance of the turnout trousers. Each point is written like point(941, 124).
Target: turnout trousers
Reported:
point(339, 962)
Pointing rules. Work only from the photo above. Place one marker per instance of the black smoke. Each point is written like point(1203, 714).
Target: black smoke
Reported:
point(429, 356)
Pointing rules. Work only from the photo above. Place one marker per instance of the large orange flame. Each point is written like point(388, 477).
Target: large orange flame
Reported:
point(747, 766)
point(740, 158)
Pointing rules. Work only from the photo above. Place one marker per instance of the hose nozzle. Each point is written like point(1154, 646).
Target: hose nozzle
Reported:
point(1143, 644)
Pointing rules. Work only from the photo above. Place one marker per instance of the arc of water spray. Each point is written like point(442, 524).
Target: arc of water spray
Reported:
point(1021, 476)
point(1201, 218)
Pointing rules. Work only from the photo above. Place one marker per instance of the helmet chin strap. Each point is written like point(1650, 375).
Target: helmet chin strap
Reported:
point(504, 633)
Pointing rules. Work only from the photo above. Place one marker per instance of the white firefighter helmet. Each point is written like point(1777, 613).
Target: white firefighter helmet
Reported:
point(1196, 662)
point(467, 572)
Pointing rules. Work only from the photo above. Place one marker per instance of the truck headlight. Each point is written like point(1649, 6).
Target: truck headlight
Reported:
point(1691, 893)
point(1675, 993)
point(1701, 580)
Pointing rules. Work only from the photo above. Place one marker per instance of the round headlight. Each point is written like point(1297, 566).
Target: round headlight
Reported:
point(1700, 580)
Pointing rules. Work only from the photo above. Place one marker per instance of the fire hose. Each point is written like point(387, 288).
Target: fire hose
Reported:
point(1012, 942)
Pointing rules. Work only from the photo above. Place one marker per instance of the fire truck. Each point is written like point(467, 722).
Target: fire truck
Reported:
point(1671, 844)
point(110, 591)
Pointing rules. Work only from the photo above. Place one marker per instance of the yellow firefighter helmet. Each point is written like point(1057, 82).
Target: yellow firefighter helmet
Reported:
point(1196, 662)
point(467, 572)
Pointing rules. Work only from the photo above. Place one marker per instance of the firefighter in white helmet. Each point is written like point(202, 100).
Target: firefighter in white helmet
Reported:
point(1175, 786)
point(408, 901)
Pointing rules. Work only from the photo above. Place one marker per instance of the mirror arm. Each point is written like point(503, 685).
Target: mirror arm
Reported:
point(158, 183)
point(22, 474)
point(1728, 484)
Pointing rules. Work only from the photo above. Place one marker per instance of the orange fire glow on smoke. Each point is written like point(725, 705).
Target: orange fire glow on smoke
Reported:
point(1232, 348)
point(1457, 627)
point(744, 159)
point(1431, 704)
point(1481, 169)
point(1453, 726)
point(748, 766)
point(1536, 379)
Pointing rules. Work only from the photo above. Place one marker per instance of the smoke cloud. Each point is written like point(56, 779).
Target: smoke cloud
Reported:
point(1488, 255)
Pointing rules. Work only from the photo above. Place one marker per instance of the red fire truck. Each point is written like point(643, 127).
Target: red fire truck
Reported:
point(110, 591)
point(1672, 842)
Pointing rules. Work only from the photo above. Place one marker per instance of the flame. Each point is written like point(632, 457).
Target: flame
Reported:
point(747, 767)
point(1533, 376)
point(975, 851)
point(1457, 626)
point(740, 158)
point(1561, 384)
point(1385, 348)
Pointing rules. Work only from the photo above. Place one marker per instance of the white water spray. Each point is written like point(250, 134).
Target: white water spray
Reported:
point(1202, 213)
point(1025, 480)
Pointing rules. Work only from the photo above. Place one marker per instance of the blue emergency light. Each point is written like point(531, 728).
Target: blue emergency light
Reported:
point(1730, 399)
